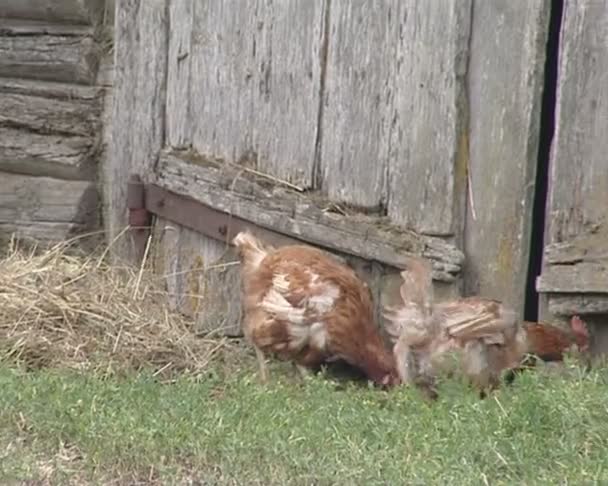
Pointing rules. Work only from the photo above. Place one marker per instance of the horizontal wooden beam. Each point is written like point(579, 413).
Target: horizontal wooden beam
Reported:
point(250, 198)
point(37, 154)
point(51, 52)
point(583, 277)
point(571, 304)
point(66, 11)
point(50, 108)
point(46, 208)
point(48, 128)
point(587, 247)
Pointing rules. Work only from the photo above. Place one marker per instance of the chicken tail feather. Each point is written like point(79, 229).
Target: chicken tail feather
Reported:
point(251, 250)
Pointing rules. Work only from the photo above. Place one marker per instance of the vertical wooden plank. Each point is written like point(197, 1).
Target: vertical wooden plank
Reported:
point(288, 60)
point(140, 63)
point(165, 259)
point(210, 283)
point(428, 144)
point(222, 78)
point(578, 180)
point(357, 101)
point(201, 276)
point(255, 84)
point(505, 85)
point(178, 114)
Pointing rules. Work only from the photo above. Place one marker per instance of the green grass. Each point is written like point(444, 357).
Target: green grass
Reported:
point(79, 428)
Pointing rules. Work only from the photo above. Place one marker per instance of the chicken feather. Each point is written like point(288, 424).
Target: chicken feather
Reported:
point(302, 305)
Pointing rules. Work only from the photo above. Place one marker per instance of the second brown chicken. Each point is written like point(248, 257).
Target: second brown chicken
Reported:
point(474, 336)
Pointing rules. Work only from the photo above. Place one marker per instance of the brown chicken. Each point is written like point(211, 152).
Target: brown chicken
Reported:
point(302, 305)
point(477, 337)
point(550, 343)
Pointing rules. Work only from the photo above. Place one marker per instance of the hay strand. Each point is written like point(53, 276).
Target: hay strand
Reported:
point(62, 308)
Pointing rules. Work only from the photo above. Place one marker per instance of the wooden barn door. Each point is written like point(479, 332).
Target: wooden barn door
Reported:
point(574, 277)
point(375, 130)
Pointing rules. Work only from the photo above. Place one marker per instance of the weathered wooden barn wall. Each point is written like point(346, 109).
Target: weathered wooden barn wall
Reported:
point(414, 122)
point(505, 82)
point(138, 106)
point(574, 278)
point(50, 107)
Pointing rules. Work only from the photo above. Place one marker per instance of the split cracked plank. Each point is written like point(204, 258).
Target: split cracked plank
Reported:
point(51, 52)
point(48, 128)
point(38, 154)
point(226, 188)
point(49, 108)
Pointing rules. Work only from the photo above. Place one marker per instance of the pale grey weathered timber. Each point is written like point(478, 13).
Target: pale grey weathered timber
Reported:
point(226, 188)
point(138, 105)
point(48, 128)
point(581, 304)
point(50, 52)
point(47, 107)
point(506, 70)
point(201, 275)
point(578, 181)
point(222, 73)
point(47, 208)
point(179, 82)
point(244, 84)
point(584, 277)
point(41, 154)
point(63, 11)
point(358, 101)
point(428, 147)
point(576, 229)
point(286, 93)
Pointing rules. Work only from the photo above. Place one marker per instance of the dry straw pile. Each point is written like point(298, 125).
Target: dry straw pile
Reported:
point(62, 308)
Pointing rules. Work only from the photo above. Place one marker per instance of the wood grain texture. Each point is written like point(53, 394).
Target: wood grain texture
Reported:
point(48, 128)
point(578, 183)
point(51, 155)
point(138, 105)
point(165, 259)
point(576, 227)
point(49, 108)
point(222, 70)
point(51, 52)
point(571, 304)
point(584, 277)
point(49, 208)
point(357, 101)
point(201, 276)
point(226, 188)
point(505, 97)
point(428, 148)
point(254, 99)
point(286, 93)
point(65, 11)
point(179, 115)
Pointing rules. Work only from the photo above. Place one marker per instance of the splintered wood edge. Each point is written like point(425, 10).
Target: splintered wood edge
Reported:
point(225, 188)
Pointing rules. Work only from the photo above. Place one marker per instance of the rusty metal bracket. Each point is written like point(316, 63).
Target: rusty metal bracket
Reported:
point(145, 200)
point(199, 217)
